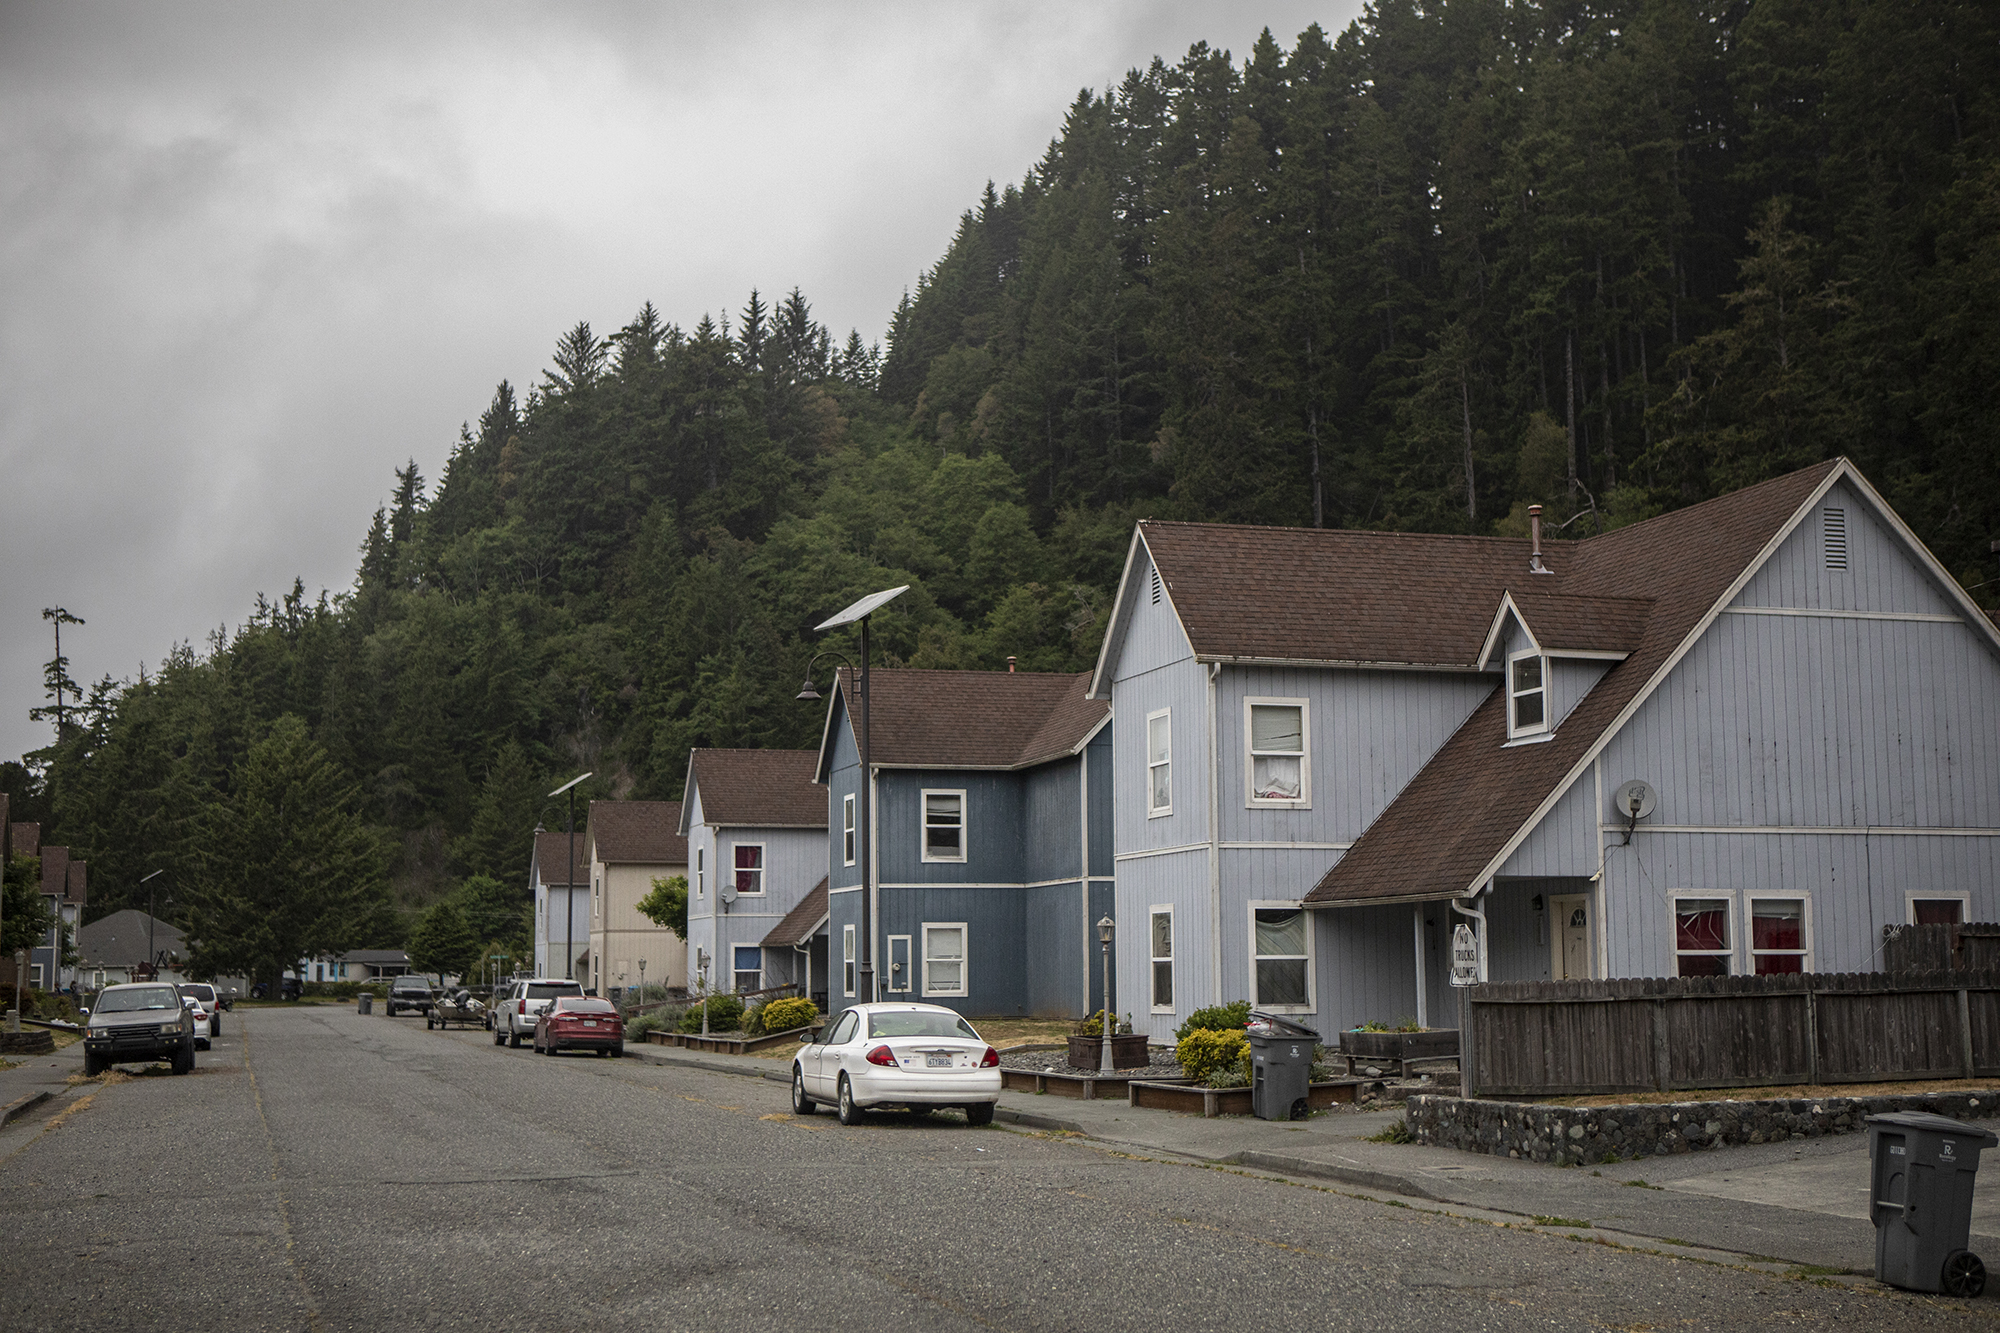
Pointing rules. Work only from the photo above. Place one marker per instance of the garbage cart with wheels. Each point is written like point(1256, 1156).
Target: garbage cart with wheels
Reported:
point(1281, 1057)
point(1920, 1199)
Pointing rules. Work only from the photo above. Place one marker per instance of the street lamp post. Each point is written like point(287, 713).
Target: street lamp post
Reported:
point(642, 981)
point(152, 957)
point(701, 965)
point(860, 613)
point(569, 881)
point(1104, 929)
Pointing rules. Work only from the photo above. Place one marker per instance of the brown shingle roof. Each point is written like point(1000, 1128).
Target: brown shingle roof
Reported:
point(758, 788)
point(27, 838)
point(976, 719)
point(1440, 835)
point(1584, 624)
point(552, 858)
point(638, 832)
point(78, 888)
point(55, 871)
point(802, 922)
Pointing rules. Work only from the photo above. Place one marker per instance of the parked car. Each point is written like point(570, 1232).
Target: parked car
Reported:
point(410, 992)
point(918, 1056)
point(580, 1023)
point(520, 1006)
point(211, 1003)
point(200, 1016)
point(135, 1022)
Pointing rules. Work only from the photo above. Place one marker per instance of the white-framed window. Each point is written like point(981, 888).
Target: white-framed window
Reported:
point(1527, 693)
point(97, 979)
point(1780, 933)
point(944, 825)
point(1162, 940)
point(1704, 934)
point(700, 871)
point(900, 979)
point(34, 976)
point(944, 958)
point(749, 969)
point(1281, 957)
point(1279, 770)
point(847, 829)
point(1938, 908)
point(749, 858)
point(597, 895)
point(1159, 763)
point(847, 960)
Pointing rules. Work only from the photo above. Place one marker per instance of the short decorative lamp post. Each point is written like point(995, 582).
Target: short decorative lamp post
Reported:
point(1104, 928)
point(701, 966)
point(642, 981)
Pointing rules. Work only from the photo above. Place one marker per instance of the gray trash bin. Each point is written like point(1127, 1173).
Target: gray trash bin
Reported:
point(1281, 1057)
point(366, 1004)
point(1921, 1169)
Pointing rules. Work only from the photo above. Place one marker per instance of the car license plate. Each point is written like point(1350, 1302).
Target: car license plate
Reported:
point(937, 1062)
point(590, 1022)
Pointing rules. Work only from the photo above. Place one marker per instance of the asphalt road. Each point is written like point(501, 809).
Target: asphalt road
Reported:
point(326, 1171)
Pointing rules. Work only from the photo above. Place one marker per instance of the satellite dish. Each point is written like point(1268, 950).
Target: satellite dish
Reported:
point(1635, 800)
point(729, 890)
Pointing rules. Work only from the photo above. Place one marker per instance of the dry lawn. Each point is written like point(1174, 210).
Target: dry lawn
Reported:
point(1798, 1091)
point(1003, 1033)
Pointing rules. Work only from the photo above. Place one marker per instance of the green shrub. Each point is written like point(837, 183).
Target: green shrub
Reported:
point(1205, 1050)
point(725, 1014)
point(792, 1012)
point(655, 1020)
point(1220, 1018)
point(753, 1021)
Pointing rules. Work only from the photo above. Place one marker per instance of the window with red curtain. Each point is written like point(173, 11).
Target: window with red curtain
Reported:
point(1777, 935)
point(1939, 911)
point(749, 869)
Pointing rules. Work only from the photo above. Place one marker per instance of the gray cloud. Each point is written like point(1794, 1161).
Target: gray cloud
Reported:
point(256, 256)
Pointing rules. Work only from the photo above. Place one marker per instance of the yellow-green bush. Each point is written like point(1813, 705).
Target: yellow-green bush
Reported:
point(791, 1012)
point(1205, 1050)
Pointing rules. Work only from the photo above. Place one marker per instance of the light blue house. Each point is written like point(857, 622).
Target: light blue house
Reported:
point(991, 840)
point(1335, 746)
point(755, 825)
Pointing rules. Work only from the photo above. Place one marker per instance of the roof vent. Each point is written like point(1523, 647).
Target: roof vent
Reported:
point(1535, 565)
point(1156, 585)
point(1010, 664)
point(1833, 525)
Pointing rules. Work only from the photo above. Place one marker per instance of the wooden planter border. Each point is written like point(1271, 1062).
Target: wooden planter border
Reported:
point(1195, 1100)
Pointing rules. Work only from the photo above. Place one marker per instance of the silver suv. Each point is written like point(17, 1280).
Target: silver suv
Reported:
point(522, 1002)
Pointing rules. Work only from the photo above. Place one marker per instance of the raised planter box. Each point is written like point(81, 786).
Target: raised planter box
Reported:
point(1082, 1087)
point(1398, 1048)
point(1127, 1052)
point(27, 1043)
point(736, 1043)
point(1192, 1099)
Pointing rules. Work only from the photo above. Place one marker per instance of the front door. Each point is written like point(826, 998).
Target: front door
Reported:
point(1569, 941)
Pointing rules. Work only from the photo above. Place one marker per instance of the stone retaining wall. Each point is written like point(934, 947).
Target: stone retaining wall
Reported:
point(1579, 1136)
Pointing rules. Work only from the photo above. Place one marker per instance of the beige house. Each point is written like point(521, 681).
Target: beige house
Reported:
point(628, 845)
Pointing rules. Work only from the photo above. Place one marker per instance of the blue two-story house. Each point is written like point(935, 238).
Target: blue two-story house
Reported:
point(990, 842)
point(1738, 738)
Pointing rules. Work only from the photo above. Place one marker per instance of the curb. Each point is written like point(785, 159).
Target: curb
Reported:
point(20, 1106)
point(660, 1057)
point(1351, 1175)
point(1030, 1120)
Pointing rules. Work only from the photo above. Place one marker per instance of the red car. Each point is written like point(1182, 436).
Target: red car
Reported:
point(580, 1023)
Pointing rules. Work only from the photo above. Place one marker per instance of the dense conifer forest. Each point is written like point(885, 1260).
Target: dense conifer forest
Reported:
point(1613, 258)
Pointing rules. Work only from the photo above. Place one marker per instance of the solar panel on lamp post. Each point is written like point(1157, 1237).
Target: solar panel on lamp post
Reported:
point(859, 613)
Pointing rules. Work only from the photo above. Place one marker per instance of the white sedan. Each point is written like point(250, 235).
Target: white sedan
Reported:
point(914, 1055)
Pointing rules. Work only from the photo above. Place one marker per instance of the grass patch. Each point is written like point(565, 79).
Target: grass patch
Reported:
point(1642, 1185)
point(1542, 1221)
point(1393, 1132)
point(1000, 1033)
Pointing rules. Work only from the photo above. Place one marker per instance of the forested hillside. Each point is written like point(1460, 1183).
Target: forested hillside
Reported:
point(1612, 258)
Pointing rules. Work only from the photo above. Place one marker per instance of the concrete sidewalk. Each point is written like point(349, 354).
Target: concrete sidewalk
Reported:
point(1795, 1203)
point(36, 1080)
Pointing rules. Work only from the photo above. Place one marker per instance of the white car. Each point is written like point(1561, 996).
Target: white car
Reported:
point(914, 1055)
point(203, 1027)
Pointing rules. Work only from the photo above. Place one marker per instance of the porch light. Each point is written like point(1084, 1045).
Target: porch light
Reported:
point(1105, 926)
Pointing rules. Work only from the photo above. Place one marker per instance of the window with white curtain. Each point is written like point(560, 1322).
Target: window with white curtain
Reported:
point(1280, 771)
point(1282, 957)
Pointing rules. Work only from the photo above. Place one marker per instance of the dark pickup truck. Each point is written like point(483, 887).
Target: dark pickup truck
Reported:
point(139, 1022)
point(410, 992)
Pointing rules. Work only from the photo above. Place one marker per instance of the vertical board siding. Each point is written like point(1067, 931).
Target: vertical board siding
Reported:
point(794, 860)
point(1052, 820)
point(1179, 881)
point(996, 965)
point(843, 780)
point(1102, 755)
point(1370, 733)
point(1565, 842)
point(1518, 948)
point(1366, 959)
point(994, 846)
point(1880, 574)
point(1569, 679)
point(1050, 924)
point(1182, 688)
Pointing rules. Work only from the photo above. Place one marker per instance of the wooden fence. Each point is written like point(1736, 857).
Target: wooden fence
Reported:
point(1660, 1034)
point(1971, 946)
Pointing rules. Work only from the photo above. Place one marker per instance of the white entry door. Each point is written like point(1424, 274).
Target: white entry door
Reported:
point(1569, 937)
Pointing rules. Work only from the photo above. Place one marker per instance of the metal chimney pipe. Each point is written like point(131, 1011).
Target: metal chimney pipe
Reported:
point(1535, 565)
point(1010, 664)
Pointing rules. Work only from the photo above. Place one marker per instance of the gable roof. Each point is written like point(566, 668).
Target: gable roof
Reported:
point(803, 921)
point(1466, 810)
point(1563, 624)
point(638, 832)
point(119, 940)
point(77, 889)
point(969, 719)
point(754, 789)
point(551, 860)
point(55, 871)
point(26, 837)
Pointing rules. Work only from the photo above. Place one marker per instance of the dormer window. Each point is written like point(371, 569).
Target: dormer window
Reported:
point(1527, 694)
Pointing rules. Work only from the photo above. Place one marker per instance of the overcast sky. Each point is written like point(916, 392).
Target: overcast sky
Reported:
point(253, 257)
